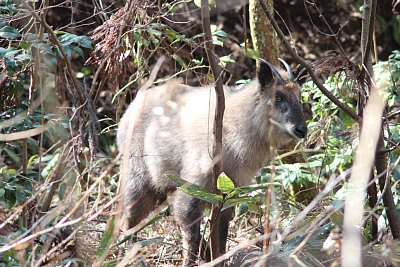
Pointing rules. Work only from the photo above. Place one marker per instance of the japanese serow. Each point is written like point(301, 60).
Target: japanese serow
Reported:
point(172, 135)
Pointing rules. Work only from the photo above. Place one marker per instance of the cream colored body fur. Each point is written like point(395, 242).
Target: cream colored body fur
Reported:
point(167, 130)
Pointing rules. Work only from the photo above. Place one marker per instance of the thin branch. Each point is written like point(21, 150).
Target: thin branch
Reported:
point(70, 71)
point(218, 120)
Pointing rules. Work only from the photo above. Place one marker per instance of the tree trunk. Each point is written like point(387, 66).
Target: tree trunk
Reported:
point(264, 38)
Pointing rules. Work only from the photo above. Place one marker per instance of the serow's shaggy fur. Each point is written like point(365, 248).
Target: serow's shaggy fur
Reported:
point(167, 131)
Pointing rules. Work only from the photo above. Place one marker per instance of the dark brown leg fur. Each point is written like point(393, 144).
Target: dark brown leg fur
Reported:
point(139, 202)
point(225, 218)
point(188, 213)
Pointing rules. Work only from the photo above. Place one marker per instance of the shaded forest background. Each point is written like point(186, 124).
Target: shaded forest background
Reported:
point(68, 73)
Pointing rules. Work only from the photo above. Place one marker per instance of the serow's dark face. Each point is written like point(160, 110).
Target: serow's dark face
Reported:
point(284, 95)
point(289, 110)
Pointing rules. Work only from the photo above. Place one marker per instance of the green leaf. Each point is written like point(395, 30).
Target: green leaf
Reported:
point(195, 190)
point(220, 33)
point(243, 208)
point(49, 167)
point(68, 51)
point(2, 192)
point(23, 57)
point(224, 60)
point(9, 32)
point(25, 45)
point(217, 41)
point(225, 185)
point(136, 36)
point(172, 36)
point(251, 53)
point(107, 238)
point(180, 61)
point(11, 64)
point(15, 157)
point(154, 32)
point(79, 51)
point(250, 188)
point(69, 39)
point(236, 201)
point(155, 41)
point(20, 195)
point(3, 51)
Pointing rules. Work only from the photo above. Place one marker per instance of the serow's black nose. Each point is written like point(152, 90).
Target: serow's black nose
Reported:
point(300, 130)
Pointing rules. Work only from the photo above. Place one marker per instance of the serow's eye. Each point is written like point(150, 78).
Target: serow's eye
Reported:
point(278, 99)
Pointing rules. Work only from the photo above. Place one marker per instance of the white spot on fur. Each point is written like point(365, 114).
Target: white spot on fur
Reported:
point(158, 110)
point(172, 104)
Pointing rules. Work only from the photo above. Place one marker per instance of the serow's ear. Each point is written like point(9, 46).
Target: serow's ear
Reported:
point(265, 75)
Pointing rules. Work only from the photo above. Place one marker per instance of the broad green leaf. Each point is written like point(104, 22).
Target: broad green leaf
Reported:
point(11, 64)
point(60, 32)
point(224, 60)
point(220, 33)
point(3, 51)
point(217, 41)
point(20, 195)
point(9, 32)
point(154, 32)
point(203, 195)
point(86, 42)
point(250, 188)
point(62, 189)
point(69, 39)
point(155, 41)
point(68, 51)
point(236, 201)
point(23, 57)
point(15, 157)
point(196, 191)
point(79, 51)
point(225, 185)
point(25, 45)
point(172, 36)
point(2, 192)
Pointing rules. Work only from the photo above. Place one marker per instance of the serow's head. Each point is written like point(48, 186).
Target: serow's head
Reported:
point(281, 95)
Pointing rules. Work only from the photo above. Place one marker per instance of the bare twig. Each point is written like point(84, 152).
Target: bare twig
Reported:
point(70, 71)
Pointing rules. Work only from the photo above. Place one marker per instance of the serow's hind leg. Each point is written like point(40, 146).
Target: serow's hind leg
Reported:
point(188, 212)
point(139, 202)
point(225, 217)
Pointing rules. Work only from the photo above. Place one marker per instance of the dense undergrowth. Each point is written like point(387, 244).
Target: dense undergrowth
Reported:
point(63, 89)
